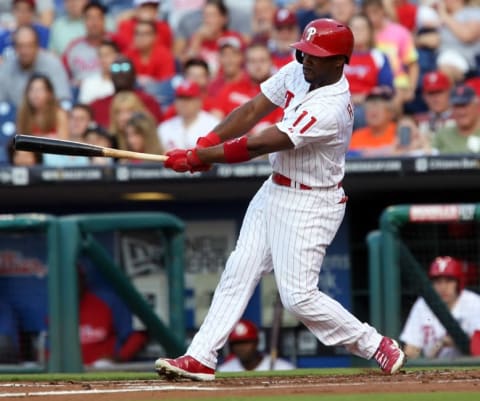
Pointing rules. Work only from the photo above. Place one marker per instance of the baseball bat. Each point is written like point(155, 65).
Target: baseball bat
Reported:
point(63, 147)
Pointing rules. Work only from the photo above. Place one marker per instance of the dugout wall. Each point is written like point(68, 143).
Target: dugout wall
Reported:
point(54, 247)
point(400, 252)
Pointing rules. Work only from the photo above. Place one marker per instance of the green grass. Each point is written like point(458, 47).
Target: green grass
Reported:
point(94, 376)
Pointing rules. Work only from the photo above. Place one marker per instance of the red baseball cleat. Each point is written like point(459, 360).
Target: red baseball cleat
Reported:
point(389, 356)
point(184, 367)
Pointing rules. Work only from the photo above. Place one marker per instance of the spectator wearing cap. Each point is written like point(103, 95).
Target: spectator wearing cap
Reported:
point(378, 137)
point(245, 354)
point(464, 136)
point(81, 55)
point(124, 79)
point(153, 61)
point(368, 67)
point(453, 64)
point(144, 10)
point(195, 70)
point(459, 31)
point(259, 67)
point(23, 12)
point(285, 33)
point(190, 123)
point(232, 59)
point(28, 59)
point(319, 9)
point(436, 86)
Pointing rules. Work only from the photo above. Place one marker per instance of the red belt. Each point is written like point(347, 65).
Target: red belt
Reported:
point(280, 179)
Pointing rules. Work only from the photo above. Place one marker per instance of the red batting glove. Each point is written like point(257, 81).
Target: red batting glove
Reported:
point(208, 140)
point(195, 163)
point(177, 160)
point(183, 160)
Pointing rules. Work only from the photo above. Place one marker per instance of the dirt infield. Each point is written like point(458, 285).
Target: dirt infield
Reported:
point(368, 382)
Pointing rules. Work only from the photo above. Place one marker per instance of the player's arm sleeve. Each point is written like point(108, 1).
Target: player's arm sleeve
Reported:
point(274, 87)
point(305, 126)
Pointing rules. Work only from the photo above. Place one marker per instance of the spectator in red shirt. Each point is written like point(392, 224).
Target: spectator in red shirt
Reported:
point(145, 10)
point(285, 32)
point(204, 43)
point(152, 61)
point(231, 63)
point(368, 67)
point(98, 337)
point(124, 79)
point(259, 67)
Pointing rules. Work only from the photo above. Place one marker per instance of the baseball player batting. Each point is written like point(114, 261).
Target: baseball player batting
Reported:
point(296, 213)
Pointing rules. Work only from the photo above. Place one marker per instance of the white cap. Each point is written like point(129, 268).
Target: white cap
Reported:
point(452, 58)
point(427, 17)
point(137, 3)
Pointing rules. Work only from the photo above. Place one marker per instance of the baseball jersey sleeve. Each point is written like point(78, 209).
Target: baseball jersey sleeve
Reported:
point(274, 88)
point(306, 126)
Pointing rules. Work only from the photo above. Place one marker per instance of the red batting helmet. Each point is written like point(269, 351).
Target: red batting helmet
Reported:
point(446, 266)
point(244, 330)
point(325, 37)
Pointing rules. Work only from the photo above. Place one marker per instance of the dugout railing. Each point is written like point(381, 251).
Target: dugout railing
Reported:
point(27, 228)
point(70, 238)
point(400, 252)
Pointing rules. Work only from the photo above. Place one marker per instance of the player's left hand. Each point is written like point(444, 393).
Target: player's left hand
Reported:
point(183, 160)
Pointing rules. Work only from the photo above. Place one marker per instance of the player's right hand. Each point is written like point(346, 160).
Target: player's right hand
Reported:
point(183, 160)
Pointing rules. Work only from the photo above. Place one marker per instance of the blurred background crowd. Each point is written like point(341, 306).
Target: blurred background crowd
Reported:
point(152, 75)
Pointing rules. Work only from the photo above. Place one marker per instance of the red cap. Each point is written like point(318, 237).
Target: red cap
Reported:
point(244, 330)
point(435, 81)
point(187, 89)
point(30, 2)
point(284, 17)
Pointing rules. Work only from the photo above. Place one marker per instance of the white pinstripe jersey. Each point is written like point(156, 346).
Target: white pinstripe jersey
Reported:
point(319, 123)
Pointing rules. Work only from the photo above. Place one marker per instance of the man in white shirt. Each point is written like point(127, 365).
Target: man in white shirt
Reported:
point(423, 333)
point(191, 122)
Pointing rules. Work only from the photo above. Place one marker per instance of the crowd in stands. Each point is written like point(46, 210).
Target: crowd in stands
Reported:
point(152, 75)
